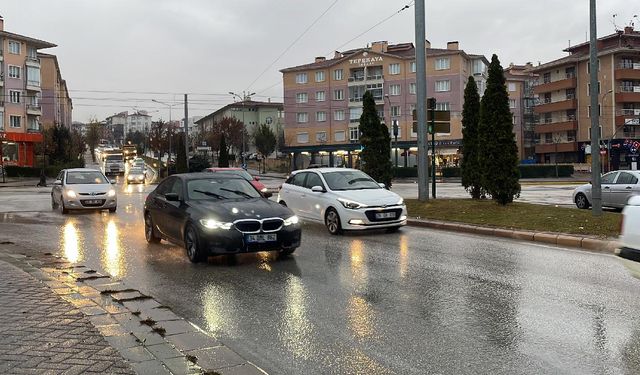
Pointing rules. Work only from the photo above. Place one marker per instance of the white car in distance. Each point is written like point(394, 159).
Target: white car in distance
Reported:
point(629, 250)
point(342, 199)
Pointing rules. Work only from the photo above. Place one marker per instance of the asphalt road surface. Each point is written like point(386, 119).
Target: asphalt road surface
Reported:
point(413, 302)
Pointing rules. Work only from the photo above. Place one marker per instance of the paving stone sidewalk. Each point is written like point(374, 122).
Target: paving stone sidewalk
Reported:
point(40, 333)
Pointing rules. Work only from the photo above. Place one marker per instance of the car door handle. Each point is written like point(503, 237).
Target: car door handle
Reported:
point(303, 195)
point(606, 188)
point(628, 188)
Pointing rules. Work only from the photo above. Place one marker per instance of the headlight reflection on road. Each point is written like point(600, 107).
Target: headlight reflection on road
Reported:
point(71, 242)
point(112, 256)
point(404, 253)
point(359, 311)
point(295, 328)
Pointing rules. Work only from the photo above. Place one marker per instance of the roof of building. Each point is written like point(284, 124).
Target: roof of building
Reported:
point(33, 41)
point(242, 104)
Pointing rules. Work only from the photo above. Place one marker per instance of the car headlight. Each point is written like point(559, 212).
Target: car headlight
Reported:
point(264, 190)
point(215, 224)
point(353, 205)
point(291, 221)
point(400, 202)
point(130, 177)
point(71, 194)
point(111, 193)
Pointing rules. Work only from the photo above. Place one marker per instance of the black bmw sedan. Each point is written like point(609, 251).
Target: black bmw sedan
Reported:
point(218, 214)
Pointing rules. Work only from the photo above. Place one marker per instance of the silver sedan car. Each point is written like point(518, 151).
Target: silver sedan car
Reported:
point(83, 189)
point(617, 187)
point(136, 175)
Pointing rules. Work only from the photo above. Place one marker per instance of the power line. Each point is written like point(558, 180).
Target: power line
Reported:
point(293, 43)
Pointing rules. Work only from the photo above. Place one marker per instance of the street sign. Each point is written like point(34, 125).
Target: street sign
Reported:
point(203, 148)
point(440, 116)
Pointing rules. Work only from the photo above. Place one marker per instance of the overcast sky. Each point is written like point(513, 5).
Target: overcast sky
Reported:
point(159, 49)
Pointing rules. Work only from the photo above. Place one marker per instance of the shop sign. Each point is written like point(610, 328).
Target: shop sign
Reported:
point(366, 61)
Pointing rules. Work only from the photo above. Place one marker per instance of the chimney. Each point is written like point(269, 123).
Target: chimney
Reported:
point(337, 55)
point(427, 43)
point(380, 46)
point(628, 30)
point(320, 58)
point(1, 23)
point(269, 100)
point(453, 45)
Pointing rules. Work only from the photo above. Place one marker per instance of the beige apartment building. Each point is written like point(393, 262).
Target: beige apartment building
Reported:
point(323, 101)
point(564, 132)
point(56, 103)
point(520, 82)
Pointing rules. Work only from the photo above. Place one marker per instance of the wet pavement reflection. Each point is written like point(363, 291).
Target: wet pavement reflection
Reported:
point(413, 302)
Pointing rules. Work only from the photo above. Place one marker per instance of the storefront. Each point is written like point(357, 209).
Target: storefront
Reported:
point(19, 148)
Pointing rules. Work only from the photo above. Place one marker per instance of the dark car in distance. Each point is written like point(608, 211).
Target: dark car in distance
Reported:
point(216, 214)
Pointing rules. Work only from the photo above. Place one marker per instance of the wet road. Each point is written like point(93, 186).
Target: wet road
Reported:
point(414, 302)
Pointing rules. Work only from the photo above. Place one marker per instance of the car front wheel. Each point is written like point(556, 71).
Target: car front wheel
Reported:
point(192, 245)
point(149, 230)
point(332, 221)
point(54, 205)
point(582, 202)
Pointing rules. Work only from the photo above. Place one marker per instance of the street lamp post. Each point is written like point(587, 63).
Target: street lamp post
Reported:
point(604, 97)
point(243, 99)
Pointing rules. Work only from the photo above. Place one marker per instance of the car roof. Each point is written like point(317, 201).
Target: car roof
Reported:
point(325, 170)
point(83, 170)
point(222, 169)
point(205, 175)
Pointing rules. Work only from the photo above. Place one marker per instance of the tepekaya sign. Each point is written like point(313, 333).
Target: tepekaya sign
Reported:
point(366, 61)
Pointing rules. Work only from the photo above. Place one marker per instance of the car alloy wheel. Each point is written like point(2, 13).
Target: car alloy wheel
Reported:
point(581, 201)
point(149, 232)
point(54, 205)
point(192, 246)
point(63, 210)
point(332, 221)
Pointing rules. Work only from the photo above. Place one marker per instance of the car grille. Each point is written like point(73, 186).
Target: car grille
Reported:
point(371, 214)
point(255, 226)
point(102, 193)
point(99, 203)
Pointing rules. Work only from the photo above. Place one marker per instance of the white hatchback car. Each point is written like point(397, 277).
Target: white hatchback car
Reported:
point(342, 199)
point(83, 189)
point(630, 236)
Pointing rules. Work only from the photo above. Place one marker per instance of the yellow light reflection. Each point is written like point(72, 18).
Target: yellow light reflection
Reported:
point(358, 266)
point(359, 312)
point(296, 329)
point(404, 253)
point(360, 317)
point(71, 242)
point(112, 257)
point(263, 259)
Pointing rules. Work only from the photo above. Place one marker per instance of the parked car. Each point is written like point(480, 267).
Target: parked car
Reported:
point(342, 199)
point(630, 236)
point(617, 187)
point(136, 175)
point(83, 189)
point(254, 180)
point(214, 214)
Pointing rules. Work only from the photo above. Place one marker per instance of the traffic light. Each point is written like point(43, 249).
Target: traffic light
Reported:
point(431, 103)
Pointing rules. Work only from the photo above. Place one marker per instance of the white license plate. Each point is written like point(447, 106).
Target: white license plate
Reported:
point(262, 238)
point(385, 215)
point(93, 201)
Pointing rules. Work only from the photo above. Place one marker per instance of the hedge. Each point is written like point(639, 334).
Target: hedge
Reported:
point(50, 171)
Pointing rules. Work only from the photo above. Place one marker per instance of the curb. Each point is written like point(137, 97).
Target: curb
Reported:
point(560, 239)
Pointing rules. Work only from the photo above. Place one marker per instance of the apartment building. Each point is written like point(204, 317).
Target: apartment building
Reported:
point(56, 103)
point(139, 121)
point(20, 97)
point(564, 132)
point(323, 100)
point(520, 82)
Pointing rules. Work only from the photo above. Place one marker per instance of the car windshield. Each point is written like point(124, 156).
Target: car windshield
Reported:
point(85, 177)
point(221, 188)
point(349, 180)
point(136, 171)
point(114, 157)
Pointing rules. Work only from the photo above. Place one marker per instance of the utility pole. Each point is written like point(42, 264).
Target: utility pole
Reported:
point(431, 107)
point(186, 130)
point(596, 188)
point(421, 78)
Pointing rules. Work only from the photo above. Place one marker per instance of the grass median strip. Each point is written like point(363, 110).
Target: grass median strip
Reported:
point(524, 216)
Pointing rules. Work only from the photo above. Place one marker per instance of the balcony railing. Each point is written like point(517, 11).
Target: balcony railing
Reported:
point(629, 65)
point(374, 77)
point(356, 79)
point(630, 89)
point(570, 75)
point(557, 119)
point(630, 112)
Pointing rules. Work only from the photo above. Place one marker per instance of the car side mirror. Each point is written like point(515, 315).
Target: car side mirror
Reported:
point(382, 185)
point(57, 182)
point(256, 178)
point(267, 194)
point(113, 182)
point(172, 197)
point(317, 189)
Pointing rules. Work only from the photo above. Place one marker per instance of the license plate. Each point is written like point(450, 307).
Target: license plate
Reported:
point(262, 238)
point(93, 201)
point(385, 215)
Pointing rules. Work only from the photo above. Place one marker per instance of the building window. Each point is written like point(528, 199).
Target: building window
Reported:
point(354, 134)
point(570, 93)
point(395, 111)
point(511, 87)
point(443, 63)
point(14, 71)
point(412, 88)
point(321, 137)
point(442, 86)
point(321, 116)
point(1, 122)
point(302, 117)
point(33, 76)
point(14, 96)
point(546, 78)
point(320, 76)
point(338, 115)
point(442, 106)
point(303, 137)
point(338, 94)
point(589, 111)
point(589, 88)
point(320, 97)
point(355, 113)
point(394, 90)
point(33, 124)
point(512, 103)
point(412, 66)
point(15, 121)
point(339, 136)
point(301, 78)
point(14, 47)
point(280, 113)
point(32, 53)
point(337, 74)
point(394, 68)
point(589, 66)
point(302, 97)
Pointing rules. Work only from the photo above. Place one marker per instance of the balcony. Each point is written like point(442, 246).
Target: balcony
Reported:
point(549, 148)
point(561, 105)
point(33, 86)
point(561, 125)
point(563, 84)
point(32, 61)
point(34, 110)
point(627, 120)
point(627, 71)
point(628, 94)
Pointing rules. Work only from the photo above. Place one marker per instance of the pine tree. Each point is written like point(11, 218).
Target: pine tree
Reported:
point(223, 158)
point(470, 166)
point(499, 157)
point(376, 143)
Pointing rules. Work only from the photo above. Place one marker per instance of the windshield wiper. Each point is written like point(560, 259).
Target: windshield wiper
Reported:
point(210, 194)
point(351, 182)
point(242, 193)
